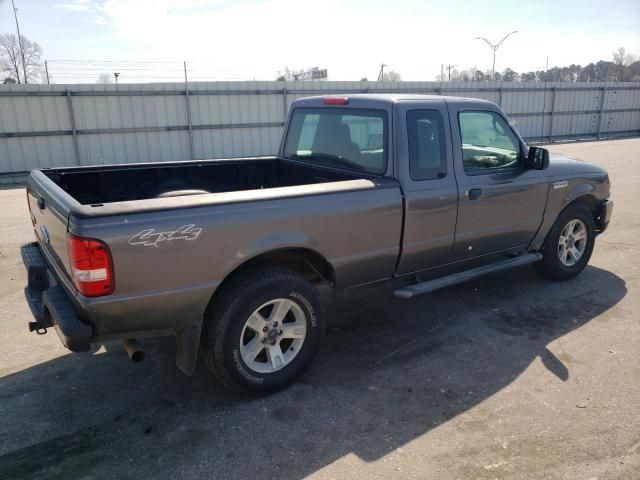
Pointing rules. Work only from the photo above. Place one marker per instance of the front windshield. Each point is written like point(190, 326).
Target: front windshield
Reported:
point(338, 137)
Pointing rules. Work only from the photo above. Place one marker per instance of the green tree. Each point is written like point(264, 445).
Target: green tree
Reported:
point(509, 75)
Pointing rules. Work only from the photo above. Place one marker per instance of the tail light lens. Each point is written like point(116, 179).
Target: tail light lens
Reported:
point(91, 266)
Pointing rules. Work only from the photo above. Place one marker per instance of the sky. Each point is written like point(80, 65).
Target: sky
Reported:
point(247, 39)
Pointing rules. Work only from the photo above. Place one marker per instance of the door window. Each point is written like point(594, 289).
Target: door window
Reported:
point(427, 152)
point(488, 143)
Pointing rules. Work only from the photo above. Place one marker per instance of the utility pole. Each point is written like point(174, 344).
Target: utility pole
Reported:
point(46, 70)
point(449, 67)
point(546, 70)
point(381, 74)
point(185, 74)
point(494, 48)
point(24, 67)
point(544, 105)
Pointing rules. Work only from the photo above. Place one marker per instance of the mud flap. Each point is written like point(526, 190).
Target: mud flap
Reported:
point(187, 345)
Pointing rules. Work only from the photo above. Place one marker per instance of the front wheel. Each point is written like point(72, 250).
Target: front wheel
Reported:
point(568, 246)
point(264, 330)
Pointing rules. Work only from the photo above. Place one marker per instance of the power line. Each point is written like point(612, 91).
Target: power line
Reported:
point(113, 61)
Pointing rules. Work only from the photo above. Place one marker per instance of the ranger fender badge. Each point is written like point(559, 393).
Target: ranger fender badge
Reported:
point(151, 238)
point(561, 184)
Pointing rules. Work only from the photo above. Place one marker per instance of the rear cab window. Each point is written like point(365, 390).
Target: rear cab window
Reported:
point(349, 138)
point(427, 148)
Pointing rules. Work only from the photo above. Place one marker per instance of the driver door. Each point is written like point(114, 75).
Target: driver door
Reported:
point(500, 203)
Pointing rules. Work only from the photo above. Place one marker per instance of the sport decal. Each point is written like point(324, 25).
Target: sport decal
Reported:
point(151, 238)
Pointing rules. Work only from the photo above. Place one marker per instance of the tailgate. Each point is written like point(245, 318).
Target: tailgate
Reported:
point(49, 208)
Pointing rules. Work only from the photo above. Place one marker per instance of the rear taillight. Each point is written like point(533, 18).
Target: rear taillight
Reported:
point(91, 266)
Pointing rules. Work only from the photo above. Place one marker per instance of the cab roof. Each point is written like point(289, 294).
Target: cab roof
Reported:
point(390, 97)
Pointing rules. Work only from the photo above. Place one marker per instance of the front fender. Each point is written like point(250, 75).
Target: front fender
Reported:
point(594, 186)
point(576, 192)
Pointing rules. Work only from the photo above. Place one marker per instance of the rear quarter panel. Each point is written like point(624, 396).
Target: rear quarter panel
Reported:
point(167, 283)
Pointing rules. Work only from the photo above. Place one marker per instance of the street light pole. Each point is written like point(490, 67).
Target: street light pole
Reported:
point(24, 67)
point(493, 65)
point(494, 48)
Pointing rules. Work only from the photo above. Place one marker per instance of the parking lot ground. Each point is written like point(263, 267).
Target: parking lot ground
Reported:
point(507, 376)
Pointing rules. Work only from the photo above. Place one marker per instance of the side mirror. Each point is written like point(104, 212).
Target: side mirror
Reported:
point(537, 159)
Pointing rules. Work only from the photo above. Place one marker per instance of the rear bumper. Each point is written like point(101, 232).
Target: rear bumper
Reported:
point(605, 210)
point(50, 303)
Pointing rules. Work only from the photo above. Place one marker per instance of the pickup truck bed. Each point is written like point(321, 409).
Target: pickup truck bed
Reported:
point(119, 183)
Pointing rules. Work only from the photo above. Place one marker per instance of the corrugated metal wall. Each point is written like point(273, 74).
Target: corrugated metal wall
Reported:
point(58, 125)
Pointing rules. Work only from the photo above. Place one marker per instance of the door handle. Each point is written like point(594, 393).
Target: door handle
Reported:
point(474, 193)
point(41, 203)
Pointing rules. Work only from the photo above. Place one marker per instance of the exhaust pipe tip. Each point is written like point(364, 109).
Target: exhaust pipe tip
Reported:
point(133, 350)
point(137, 356)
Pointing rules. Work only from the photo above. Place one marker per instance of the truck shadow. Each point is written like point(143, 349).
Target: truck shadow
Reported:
point(390, 370)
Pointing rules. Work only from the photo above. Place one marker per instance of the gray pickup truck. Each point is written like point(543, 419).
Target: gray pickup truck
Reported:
point(227, 254)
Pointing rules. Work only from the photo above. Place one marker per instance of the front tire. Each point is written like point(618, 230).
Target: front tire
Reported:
point(569, 244)
point(263, 330)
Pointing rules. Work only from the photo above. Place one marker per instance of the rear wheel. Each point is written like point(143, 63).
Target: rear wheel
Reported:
point(568, 246)
point(263, 331)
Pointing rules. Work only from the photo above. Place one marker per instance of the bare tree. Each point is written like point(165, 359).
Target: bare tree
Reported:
point(469, 75)
point(104, 78)
point(621, 59)
point(284, 76)
point(449, 75)
point(11, 58)
point(392, 76)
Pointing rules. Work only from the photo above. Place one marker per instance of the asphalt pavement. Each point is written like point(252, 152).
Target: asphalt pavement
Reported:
point(507, 376)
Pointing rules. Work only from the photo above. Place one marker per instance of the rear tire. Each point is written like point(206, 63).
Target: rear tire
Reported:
point(569, 244)
point(263, 330)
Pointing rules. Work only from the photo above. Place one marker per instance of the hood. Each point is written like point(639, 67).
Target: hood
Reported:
point(563, 164)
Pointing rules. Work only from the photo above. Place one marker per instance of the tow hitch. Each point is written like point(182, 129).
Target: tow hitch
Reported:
point(39, 328)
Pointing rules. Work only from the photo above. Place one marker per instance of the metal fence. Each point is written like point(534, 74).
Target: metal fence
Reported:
point(92, 124)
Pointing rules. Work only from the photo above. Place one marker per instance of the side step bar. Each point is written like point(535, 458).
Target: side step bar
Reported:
point(438, 283)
